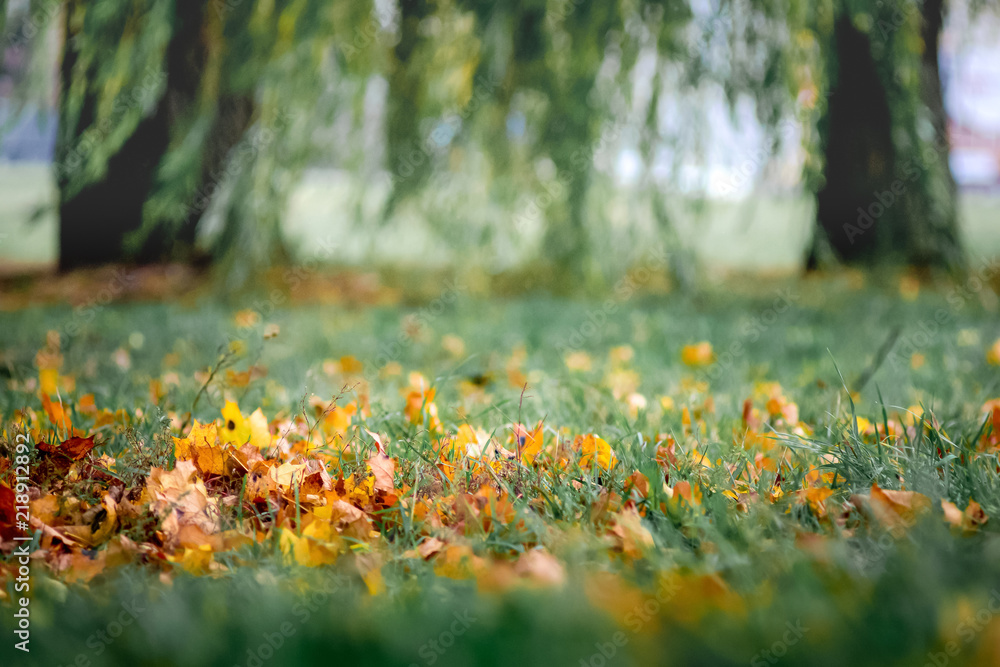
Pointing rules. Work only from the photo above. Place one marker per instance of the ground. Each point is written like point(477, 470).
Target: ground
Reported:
point(793, 472)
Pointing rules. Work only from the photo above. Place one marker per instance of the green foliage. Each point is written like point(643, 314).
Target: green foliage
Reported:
point(526, 94)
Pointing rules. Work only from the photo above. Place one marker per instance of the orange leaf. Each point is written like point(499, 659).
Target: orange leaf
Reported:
point(73, 449)
point(383, 467)
point(57, 414)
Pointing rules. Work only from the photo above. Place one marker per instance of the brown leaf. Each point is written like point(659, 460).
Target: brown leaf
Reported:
point(952, 514)
point(429, 547)
point(639, 483)
point(350, 521)
point(898, 509)
point(969, 520)
point(384, 468)
point(179, 497)
point(73, 449)
point(541, 567)
point(7, 498)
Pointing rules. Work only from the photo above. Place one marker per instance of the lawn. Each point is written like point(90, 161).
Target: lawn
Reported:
point(427, 473)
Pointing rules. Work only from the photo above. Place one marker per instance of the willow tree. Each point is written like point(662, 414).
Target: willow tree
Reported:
point(558, 54)
point(171, 110)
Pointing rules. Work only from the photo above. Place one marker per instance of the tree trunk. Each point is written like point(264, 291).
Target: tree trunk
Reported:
point(878, 206)
point(860, 158)
point(94, 222)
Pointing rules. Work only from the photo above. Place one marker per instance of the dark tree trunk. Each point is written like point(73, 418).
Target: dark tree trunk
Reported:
point(860, 159)
point(877, 206)
point(95, 221)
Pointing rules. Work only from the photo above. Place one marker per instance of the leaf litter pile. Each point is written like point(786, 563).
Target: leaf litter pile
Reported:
point(683, 522)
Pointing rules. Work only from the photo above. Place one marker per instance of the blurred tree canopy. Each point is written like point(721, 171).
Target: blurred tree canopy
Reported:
point(193, 119)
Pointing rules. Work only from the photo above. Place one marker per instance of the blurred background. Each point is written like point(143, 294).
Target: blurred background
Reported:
point(554, 140)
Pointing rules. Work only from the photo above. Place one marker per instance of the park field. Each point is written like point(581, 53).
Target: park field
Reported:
point(424, 473)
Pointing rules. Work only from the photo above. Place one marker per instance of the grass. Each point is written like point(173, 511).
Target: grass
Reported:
point(758, 576)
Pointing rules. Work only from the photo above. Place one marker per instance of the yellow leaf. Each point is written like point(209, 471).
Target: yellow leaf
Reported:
point(993, 354)
point(202, 447)
point(593, 448)
point(235, 430)
point(578, 361)
point(48, 380)
point(699, 354)
point(195, 560)
point(260, 435)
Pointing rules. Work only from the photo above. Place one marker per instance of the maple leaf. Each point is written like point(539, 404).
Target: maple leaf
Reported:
point(57, 414)
point(594, 449)
point(179, 497)
point(194, 560)
point(383, 468)
point(816, 498)
point(234, 430)
point(429, 547)
point(898, 509)
point(529, 443)
point(420, 400)
point(630, 536)
point(7, 515)
point(81, 567)
point(638, 483)
point(309, 550)
point(349, 520)
point(99, 523)
point(969, 521)
point(73, 449)
point(202, 447)
point(48, 381)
